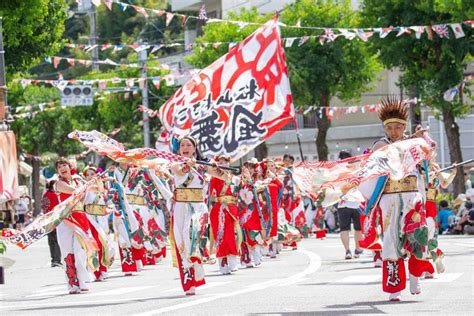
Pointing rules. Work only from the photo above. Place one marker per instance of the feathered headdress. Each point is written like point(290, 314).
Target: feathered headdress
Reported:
point(393, 110)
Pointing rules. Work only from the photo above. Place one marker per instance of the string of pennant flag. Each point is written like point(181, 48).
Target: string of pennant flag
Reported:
point(147, 12)
point(72, 61)
point(332, 112)
point(31, 110)
point(451, 93)
point(141, 47)
point(328, 35)
point(61, 83)
point(118, 47)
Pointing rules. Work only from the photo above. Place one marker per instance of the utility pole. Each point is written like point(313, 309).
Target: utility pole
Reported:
point(142, 58)
point(3, 83)
point(93, 37)
point(3, 104)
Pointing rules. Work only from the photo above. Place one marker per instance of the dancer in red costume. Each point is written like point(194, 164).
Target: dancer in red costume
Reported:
point(433, 181)
point(372, 230)
point(74, 233)
point(270, 189)
point(250, 216)
point(125, 221)
point(291, 201)
point(223, 216)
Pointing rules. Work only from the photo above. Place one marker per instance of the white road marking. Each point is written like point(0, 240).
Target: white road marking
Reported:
point(123, 290)
point(462, 243)
point(205, 286)
point(112, 292)
point(50, 291)
point(65, 304)
point(51, 288)
point(64, 291)
point(360, 279)
point(314, 265)
point(442, 278)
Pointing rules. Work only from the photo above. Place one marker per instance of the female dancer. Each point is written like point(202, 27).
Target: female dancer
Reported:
point(190, 213)
point(74, 233)
point(224, 221)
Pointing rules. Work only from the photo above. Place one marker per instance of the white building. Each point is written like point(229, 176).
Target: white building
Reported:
point(220, 8)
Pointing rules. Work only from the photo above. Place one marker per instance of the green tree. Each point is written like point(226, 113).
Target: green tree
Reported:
point(31, 29)
point(429, 66)
point(343, 68)
point(317, 72)
point(204, 55)
point(45, 133)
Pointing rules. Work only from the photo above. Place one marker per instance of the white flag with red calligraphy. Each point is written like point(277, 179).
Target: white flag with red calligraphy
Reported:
point(237, 102)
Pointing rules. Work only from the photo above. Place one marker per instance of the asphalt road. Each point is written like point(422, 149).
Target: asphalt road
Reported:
point(314, 280)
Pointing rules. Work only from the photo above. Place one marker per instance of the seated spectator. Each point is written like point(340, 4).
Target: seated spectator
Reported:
point(444, 216)
point(459, 208)
point(465, 224)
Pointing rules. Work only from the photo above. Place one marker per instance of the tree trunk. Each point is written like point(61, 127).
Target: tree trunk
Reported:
point(261, 151)
point(455, 154)
point(36, 183)
point(415, 117)
point(323, 126)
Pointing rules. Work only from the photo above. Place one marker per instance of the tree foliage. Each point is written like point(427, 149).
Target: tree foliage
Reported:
point(109, 111)
point(226, 33)
point(429, 66)
point(433, 66)
point(31, 30)
point(341, 68)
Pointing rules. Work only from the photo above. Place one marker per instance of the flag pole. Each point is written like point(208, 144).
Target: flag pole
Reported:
point(456, 165)
point(205, 163)
point(299, 145)
point(298, 138)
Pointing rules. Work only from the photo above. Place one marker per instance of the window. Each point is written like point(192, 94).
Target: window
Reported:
point(212, 15)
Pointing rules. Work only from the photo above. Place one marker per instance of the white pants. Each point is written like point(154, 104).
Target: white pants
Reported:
point(394, 208)
point(182, 218)
point(73, 253)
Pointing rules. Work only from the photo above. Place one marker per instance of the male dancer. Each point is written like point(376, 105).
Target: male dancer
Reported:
point(403, 211)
